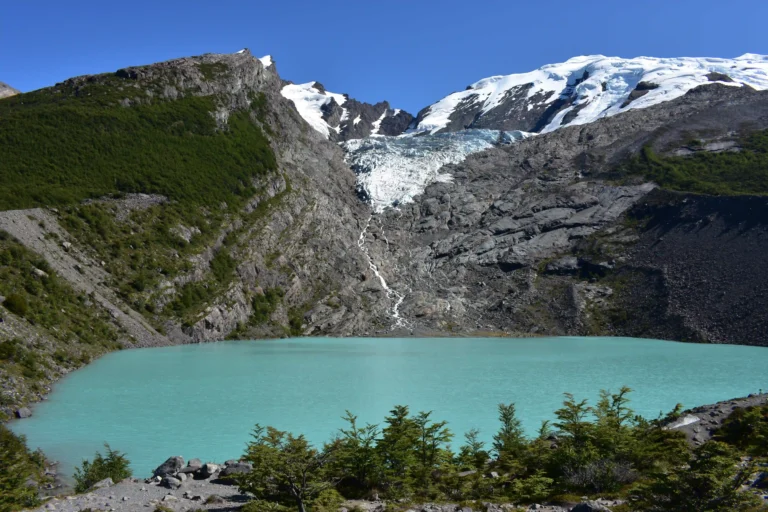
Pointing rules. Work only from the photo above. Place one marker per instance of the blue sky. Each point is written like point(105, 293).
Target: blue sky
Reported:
point(408, 52)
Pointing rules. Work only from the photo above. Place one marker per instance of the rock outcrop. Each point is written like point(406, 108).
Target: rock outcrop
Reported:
point(7, 91)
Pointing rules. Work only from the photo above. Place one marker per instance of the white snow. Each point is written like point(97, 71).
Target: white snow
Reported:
point(674, 76)
point(393, 170)
point(266, 61)
point(309, 100)
point(376, 125)
point(357, 120)
point(241, 51)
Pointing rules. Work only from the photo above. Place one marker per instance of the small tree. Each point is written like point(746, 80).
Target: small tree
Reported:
point(397, 450)
point(356, 457)
point(509, 442)
point(473, 454)
point(285, 468)
point(712, 482)
point(115, 466)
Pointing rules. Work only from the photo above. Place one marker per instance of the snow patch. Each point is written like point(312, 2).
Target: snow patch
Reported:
point(604, 83)
point(266, 61)
point(309, 101)
point(376, 125)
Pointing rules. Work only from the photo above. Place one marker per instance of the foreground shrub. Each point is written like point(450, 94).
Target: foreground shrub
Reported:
point(17, 467)
point(711, 482)
point(114, 465)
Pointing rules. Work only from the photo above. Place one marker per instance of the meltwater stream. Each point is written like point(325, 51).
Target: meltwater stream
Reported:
point(203, 400)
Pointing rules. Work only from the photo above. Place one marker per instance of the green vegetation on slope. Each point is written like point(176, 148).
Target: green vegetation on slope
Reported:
point(603, 450)
point(68, 143)
point(17, 466)
point(78, 330)
point(725, 173)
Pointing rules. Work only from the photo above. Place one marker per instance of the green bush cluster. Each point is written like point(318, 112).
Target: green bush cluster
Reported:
point(18, 469)
point(65, 144)
point(112, 465)
point(605, 449)
point(266, 304)
point(725, 173)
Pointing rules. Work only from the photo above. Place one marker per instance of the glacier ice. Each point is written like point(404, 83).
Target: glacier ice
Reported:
point(393, 170)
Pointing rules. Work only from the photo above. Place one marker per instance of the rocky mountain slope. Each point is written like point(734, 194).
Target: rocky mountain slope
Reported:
point(206, 198)
point(583, 89)
point(549, 235)
point(7, 91)
point(339, 117)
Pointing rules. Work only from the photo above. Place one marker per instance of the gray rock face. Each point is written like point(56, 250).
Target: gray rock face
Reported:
point(7, 91)
point(476, 244)
point(169, 467)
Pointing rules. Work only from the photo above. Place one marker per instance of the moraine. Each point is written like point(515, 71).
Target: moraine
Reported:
point(203, 400)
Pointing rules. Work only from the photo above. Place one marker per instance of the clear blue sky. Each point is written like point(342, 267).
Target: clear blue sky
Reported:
point(410, 52)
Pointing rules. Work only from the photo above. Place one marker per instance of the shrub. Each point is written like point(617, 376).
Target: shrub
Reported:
point(264, 506)
point(114, 466)
point(327, 501)
point(16, 304)
point(17, 465)
point(711, 482)
point(747, 429)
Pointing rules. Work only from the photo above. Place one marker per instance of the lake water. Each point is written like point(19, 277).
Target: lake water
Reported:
point(203, 400)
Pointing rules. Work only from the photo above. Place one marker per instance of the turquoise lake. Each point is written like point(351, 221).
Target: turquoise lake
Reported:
point(203, 400)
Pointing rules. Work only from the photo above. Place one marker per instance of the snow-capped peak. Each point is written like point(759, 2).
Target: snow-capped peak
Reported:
point(583, 89)
point(266, 61)
point(309, 99)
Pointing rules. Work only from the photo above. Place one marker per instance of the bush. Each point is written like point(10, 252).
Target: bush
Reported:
point(264, 506)
point(16, 304)
point(747, 429)
point(711, 482)
point(327, 501)
point(726, 173)
point(114, 466)
point(17, 465)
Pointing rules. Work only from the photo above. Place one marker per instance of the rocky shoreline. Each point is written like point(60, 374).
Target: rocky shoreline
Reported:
point(198, 486)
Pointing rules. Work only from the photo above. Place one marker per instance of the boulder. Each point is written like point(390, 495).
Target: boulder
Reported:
point(236, 469)
point(169, 467)
point(23, 412)
point(208, 470)
point(195, 463)
point(230, 462)
point(101, 484)
point(171, 482)
point(590, 506)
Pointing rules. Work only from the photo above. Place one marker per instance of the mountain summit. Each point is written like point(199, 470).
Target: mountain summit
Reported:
point(584, 89)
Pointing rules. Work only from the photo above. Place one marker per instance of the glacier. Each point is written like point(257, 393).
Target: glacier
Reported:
point(601, 85)
point(393, 170)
